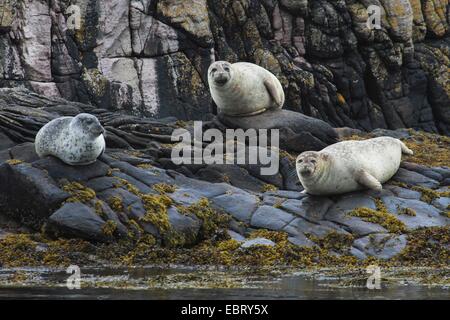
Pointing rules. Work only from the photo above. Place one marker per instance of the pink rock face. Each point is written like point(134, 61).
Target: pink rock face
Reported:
point(36, 41)
point(151, 37)
point(47, 89)
point(114, 37)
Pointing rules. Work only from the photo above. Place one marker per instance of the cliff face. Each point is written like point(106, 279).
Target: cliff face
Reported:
point(150, 57)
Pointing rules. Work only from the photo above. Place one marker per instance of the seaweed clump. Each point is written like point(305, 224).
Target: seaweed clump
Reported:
point(156, 211)
point(429, 149)
point(164, 188)
point(26, 250)
point(14, 162)
point(109, 228)
point(268, 187)
point(429, 195)
point(334, 241)
point(79, 192)
point(212, 221)
point(427, 246)
point(380, 216)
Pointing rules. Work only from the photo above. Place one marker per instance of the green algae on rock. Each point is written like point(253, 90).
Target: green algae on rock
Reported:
point(380, 216)
point(79, 192)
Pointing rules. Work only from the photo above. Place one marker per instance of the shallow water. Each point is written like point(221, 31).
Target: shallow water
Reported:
point(186, 283)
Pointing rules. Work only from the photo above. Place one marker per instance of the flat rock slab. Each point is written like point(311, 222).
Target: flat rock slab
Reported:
point(80, 221)
point(271, 218)
point(415, 179)
point(257, 242)
point(310, 208)
point(382, 246)
point(240, 206)
point(59, 170)
point(426, 215)
point(297, 131)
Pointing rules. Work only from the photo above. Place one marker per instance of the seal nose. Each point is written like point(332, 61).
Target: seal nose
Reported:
point(306, 171)
point(100, 130)
point(221, 79)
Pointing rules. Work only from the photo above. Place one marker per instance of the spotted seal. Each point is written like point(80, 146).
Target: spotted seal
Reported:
point(244, 89)
point(75, 140)
point(350, 165)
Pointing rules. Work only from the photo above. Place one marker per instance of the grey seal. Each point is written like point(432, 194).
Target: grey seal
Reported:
point(74, 140)
point(350, 165)
point(244, 89)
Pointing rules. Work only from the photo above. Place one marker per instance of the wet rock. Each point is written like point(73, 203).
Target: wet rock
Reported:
point(28, 194)
point(240, 206)
point(59, 170)
point(300, 227)
point(309, 208)
point(442, 203)
point(415, 179)
point(271, 218)
point(424, 214)
point(297, 132)
point(338, 213)
point(257, 242)
point(405, 193)
point(186, 225)
point(358, 253)
point(79, 221)
point(25, 152)
point(236, 236)
point(286, 194)
point(423, 170)
point(233, 174)
point(382, 246)
point(301, 240)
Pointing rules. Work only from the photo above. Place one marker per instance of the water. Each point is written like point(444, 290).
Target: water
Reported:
point(187, 283)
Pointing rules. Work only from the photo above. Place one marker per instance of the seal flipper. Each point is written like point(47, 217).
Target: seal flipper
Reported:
point(405, 149)
point(366, 179)
point(270, 86)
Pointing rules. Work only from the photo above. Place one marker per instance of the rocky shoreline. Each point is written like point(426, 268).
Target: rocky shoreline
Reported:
point(133, 206)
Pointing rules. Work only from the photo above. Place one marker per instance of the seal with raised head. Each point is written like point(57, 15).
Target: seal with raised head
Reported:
point(244, 89)
point(350, 165)
point(74, 140)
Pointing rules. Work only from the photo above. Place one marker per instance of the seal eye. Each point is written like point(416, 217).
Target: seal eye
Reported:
point(227, 69)
point(213, 70)
point(300, 161)
point(313, 161)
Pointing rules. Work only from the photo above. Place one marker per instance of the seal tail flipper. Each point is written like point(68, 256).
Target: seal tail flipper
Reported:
point(272, 89)
point(405, 149)
point(367, 180)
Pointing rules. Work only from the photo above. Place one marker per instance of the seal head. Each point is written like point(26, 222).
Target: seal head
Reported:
point(311, 164)
point(220, 73)
point(88, 124)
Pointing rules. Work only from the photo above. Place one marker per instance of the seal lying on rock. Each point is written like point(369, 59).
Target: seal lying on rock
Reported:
point(350, 165)
point(75, 140)
point(244, 89)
